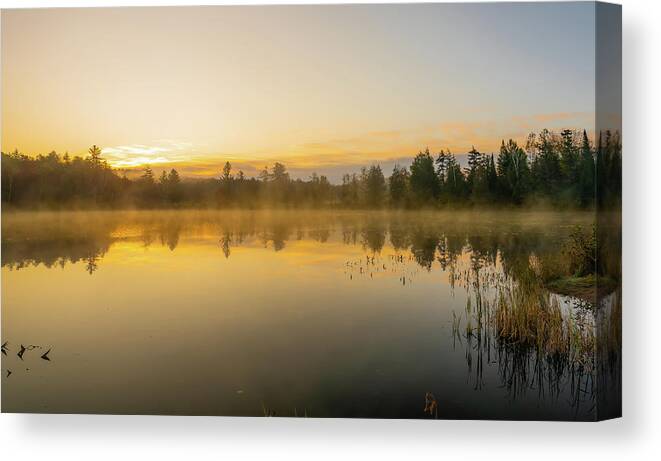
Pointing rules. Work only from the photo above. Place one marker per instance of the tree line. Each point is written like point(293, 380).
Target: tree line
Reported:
point(559, 169)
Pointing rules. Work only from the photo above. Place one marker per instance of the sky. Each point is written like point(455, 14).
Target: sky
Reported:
point(319, 88)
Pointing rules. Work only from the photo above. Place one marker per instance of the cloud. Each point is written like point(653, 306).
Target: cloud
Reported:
point(136, 155)
point(135, 149)
point(335, 156)
point(137, 161)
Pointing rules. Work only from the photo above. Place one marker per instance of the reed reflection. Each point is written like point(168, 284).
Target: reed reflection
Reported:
point(515, 319)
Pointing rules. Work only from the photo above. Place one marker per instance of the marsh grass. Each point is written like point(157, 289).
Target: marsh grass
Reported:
point(552, 322)
point(523, 314)
point(540, 342)
point(583, 267)
point(530, 316)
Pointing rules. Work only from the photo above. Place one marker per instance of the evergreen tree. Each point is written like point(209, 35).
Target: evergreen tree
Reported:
point(441, 169)
point(375, 186)
point(148, 175)
point(95, 154)
point(277, 190)
point(513, 171)
point(586, 182)
point(477, 180)
point(475, 162)
point(615, 171)
point(264, 175)
point(147, 189)
point(547, 171)
point(569, 161)
point(227, 172)
point(173, 187)
point(454, 181)
point(492, 179)
point(564, 168)
point(424, 182)
point(350, 190)
point(399, 186)
point(601, 172)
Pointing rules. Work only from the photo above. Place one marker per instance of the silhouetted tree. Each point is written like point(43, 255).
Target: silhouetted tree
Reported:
point(569, 158)
point(513, 171)
point(546, 171)
point(423, 180)
point(350, 190)
point(586, 181)
point(375, 187)
point(227, 172)
point(562, 169)
point(453, 182)
point(399, 187)
point(475, 163)
point(95, 154)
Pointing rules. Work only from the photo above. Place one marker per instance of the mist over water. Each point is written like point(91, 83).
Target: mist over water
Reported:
point(319, 313)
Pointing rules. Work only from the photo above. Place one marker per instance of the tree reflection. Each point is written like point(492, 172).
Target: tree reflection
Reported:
point(225, 243)
point(373, 237)
point(479, 255)
point(68, 240)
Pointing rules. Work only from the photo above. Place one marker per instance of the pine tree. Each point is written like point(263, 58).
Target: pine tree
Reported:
point(475, 161)
point(455, 183)
point(492, 179)
point(424, 182)
point(95, 154)
point(375, 186)
point(513, 171)
point(398, 186)
point(148, 175)
point(600, 173)
point(173, 186)
point(227, 172)
point(441, 168)
point(569, 162)
point(615, 170)
point(586, 182)
point(547, 172)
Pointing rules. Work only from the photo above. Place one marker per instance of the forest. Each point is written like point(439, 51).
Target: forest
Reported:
point(562, 169)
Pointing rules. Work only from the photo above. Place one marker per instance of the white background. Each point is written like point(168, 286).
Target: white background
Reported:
point(635, 436)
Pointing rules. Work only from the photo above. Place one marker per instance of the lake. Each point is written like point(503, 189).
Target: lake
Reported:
point(282, 313)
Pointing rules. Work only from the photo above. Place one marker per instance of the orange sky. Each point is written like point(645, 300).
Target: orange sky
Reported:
point(320, 88)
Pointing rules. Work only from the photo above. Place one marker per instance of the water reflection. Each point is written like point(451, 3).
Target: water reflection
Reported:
point(481, 260)
point(84, 239)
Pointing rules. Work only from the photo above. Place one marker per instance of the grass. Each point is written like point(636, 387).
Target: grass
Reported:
point(528, 315)
point(587, 288)
point(521, 313)
point(574, 271)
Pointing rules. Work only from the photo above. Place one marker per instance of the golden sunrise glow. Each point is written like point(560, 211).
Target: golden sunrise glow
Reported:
point(321, 88)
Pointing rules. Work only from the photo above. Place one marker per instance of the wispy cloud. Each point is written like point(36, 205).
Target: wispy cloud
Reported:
point(135, 155)
point(345, 154)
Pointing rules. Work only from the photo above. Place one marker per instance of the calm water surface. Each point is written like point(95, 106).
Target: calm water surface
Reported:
point(325, 314)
